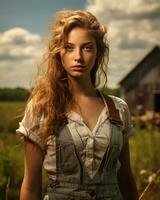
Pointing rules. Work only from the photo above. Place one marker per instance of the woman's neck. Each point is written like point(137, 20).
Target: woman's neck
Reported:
point(82, 87)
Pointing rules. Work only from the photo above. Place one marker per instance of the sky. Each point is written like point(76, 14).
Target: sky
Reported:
point(133, 31)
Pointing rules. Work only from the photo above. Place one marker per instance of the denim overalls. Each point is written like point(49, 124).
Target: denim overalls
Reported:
point(73, 182)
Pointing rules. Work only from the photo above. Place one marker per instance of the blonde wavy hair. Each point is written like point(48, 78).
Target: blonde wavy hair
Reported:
point(52, 94)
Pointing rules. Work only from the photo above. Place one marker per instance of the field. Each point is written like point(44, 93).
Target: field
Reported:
point(145, 159)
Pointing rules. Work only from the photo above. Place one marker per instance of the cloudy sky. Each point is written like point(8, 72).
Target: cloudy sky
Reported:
point(133, 30)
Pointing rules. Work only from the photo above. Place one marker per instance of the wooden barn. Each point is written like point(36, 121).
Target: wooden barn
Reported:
point(140, 88)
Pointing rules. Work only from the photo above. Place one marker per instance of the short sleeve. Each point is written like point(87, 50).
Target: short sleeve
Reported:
point(31, 126)
point(128, 125)
point(125, 115)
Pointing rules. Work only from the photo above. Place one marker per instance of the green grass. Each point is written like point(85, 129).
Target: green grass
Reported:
point(11, 164)
point(10, 114)
point(11, 148)
point(145, 160)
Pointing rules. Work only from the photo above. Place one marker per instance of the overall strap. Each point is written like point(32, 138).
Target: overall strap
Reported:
point(114, 115)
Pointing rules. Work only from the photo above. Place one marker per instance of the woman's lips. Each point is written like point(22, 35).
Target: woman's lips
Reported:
point(78, 67)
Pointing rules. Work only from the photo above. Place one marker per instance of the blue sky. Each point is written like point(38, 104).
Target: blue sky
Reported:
point(133, 30)
point(33, 15)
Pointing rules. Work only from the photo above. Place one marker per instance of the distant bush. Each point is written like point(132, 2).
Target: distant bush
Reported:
point(112, 91)
point(16, 94)
point(22, 94)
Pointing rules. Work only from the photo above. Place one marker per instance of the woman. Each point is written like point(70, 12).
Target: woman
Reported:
point(73, 129)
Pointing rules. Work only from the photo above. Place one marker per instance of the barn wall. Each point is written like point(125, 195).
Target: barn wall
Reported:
point(152, 77)
point(140, 99)
point(141, 87)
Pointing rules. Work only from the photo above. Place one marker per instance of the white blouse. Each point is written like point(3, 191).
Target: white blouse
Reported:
point(90, 144)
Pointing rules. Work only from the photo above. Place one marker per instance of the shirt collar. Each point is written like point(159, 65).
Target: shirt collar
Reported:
point(72, 116)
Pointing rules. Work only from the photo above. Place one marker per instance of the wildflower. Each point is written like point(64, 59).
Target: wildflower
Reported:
point(151, 177)
point(142, 171)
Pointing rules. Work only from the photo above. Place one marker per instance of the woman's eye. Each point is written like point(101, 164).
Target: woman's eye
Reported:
point(88, 48)
point(68, 48)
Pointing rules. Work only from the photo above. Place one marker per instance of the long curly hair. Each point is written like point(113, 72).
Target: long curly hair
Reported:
point(52, 93)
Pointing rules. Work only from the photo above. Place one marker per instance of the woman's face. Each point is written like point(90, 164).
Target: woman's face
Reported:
point(79, 53)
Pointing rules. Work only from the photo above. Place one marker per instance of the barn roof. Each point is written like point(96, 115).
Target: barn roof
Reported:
point(155, 50)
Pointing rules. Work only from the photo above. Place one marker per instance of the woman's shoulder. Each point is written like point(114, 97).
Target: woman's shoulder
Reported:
point(31, 126)
point(125, 115)
point(119, 102)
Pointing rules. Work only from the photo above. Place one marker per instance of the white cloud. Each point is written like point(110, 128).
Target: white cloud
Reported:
point(133, 30)
point(121, 9)
point(18, 43)
point(19, 52)
point(18, 35)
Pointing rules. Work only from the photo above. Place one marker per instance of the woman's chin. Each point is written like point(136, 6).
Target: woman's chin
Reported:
point(77, 74)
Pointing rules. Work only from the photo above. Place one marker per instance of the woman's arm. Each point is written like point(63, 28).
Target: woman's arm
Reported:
point(126, 180)
point(32, 182)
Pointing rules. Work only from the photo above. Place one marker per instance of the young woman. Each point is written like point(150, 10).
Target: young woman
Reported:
point(70, 127)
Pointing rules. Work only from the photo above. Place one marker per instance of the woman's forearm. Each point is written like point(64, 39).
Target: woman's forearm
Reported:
point(126, 180)
point(28, 194)
point(31, 188)
point(133, 188)
point(128, 187)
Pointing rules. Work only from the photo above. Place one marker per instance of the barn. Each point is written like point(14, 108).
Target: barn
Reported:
point(141, 86)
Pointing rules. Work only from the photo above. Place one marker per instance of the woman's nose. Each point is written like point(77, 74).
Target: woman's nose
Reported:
point(78, 55)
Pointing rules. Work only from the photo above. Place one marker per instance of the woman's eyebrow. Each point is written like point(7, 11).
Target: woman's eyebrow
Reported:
point(85, 43)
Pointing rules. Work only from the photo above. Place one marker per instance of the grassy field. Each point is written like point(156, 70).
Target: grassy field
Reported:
point(145, 159)
point(11, 149)
point(10, 113)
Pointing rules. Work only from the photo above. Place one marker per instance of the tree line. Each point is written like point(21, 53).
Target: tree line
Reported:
point(22, 94)
point(14, 94)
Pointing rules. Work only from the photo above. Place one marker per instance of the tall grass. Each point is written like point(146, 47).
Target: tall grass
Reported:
point(10, 114)
point(145, 161)
point(11, 150)
point(11, 165)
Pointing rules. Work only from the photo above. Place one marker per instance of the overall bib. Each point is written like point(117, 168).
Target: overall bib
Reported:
point(73, 182)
